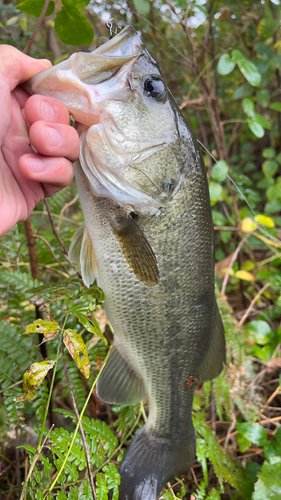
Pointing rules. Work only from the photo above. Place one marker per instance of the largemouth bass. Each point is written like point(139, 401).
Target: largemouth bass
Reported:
point(148, 240)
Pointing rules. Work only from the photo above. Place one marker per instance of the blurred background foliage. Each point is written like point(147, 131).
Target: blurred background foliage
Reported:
point(222, 61)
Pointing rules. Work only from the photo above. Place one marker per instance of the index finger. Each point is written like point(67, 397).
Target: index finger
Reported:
point(16, 67)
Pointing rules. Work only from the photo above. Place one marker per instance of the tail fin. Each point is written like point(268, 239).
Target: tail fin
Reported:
point(150, 462)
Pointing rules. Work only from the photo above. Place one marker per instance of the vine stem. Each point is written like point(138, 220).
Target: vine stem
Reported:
point(40, 21)
point(51, 388)
point(36, 456)
point(86, 448)
point(77, 426)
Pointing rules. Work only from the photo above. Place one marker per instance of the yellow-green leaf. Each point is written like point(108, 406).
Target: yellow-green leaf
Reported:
point(33, 378)
point(264, 220)
point(248, 225)
point(49, 329)
point(244, 275)
point(75, 345)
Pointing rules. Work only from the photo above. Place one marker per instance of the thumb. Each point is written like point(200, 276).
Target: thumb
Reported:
point(16, 67)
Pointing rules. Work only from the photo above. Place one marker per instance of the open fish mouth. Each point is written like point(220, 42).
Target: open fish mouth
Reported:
point(92, 86)
point(84, 80)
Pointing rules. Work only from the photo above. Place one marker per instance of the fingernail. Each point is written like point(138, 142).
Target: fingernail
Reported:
point(37, 166)
point(54, 136)
point(46, 62)
point(47, 111)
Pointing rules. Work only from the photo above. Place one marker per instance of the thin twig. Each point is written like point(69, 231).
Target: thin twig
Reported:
point(64, 249)
point(245, 316)
point(169, 488)
point(67, 205)
point(234, 257)
point(12, 464)
point(52, 252)
point(36, 457)
point(40, 21)
point(10, 35)
point(85, 444)
point(31, 249)
point(277, 391)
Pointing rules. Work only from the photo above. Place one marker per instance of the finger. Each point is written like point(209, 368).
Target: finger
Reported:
point(55, 139)
point(21, 96)
point(56, 172)
point(16, 67)
point(47, 109)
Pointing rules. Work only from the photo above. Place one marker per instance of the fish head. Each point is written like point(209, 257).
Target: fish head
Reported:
point(134, 141)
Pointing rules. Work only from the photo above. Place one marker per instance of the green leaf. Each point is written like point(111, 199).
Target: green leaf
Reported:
point(102, 488)
point(262, 121)
point(243, 443)
point(92, 326)
point(248, 107)
point(215, 192)
point(268, 153)
point(260, 330)
point(273, 192)
point(267, 27)
point(202, 8)
point(237, 55)
point(269, 484)
point(264, 51)
point(263, 97)
point(219, 171)
point(75, 4)
point(269, 168)
point(35, 7)
point(253, 432)
point(250, 72)
point(72, 27)
point(256, 128)
point(142, 6)
point(276, 106)
point(226, 64)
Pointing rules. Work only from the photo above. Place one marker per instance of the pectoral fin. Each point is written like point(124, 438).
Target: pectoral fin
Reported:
point(118, 382)
point(212, 364)
point(136, 250)
point(81, 250)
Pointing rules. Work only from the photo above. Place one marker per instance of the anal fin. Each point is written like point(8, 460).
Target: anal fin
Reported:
point(118, 382)
point(136, 250)
point(212, 364)
point(81, 250)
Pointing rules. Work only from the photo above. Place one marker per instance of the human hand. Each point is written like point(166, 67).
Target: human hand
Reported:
point(27, 177)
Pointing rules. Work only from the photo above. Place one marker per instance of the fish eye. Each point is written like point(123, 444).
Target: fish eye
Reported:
point(155, 87)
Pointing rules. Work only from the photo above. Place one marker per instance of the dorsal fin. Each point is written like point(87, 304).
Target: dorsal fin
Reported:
point(81, 250)
point(136, 250)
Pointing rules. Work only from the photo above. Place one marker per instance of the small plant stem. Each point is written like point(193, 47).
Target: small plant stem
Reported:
point(10, 35)
point(31, 249)
point(245, 316)
point(40, 21)
point(35, 458)
point(143, 412)
point(78, 424)
point(52, 252)
point(51, 388)
point(85, 445)
point(67, 205)
point(170, 489)
point(11, 464)
point(64, 249)
point(234, 257)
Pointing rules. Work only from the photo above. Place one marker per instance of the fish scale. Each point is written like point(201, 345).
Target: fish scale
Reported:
point(148, 240)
